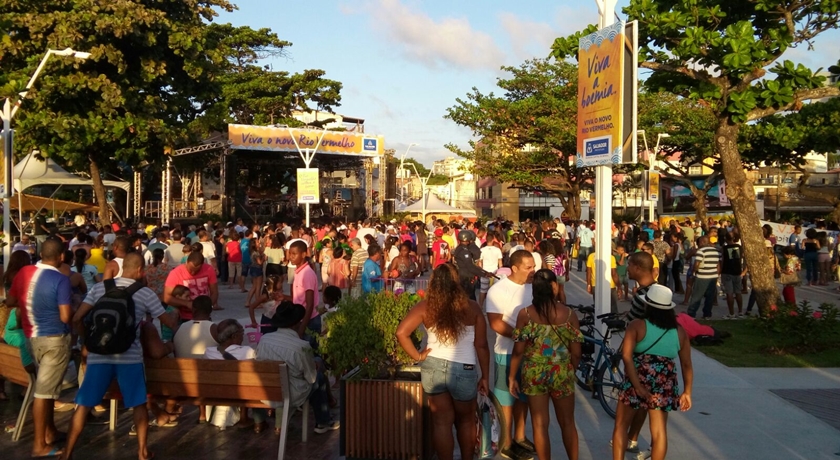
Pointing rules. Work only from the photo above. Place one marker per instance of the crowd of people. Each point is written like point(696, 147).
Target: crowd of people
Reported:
point(500, 276)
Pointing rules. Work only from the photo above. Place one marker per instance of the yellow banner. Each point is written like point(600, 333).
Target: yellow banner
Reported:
point(600, 101)
point(4, 144)
point(308, 190)
point(270, 138)
point(653, 186)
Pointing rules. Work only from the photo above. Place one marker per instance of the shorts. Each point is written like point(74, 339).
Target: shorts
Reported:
point(98, 377)
point(485, 284)
point(440, 376)
point(623, 280)
point(500, 386)
point(52, 355)
point(561, 279)
point(255, 271)
point(275, 270)
point(731, 284)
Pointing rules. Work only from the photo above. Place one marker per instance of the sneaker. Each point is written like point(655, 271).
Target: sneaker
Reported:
point(728, 317)
point(527, 445)
point(632, 446)
point(133, 430)
point(332, 426)
point(514, 452)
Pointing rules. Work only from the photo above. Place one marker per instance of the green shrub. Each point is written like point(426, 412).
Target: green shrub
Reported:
point(362, 332)
point(799, 325)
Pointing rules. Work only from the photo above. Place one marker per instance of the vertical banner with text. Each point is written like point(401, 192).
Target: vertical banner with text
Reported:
point(651, 186)
point(5, 146)
point(607, 96)
point(308, 190)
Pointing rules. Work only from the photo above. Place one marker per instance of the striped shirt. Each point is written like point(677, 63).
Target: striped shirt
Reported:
point(637, 305)
point(358, 261)
point(708, 259)
point(39, 290)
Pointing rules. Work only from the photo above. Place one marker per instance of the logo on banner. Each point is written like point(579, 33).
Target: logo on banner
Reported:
point(598, 146)
point(369, 145)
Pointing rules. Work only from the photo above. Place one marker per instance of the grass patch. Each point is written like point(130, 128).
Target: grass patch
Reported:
point(750, 346)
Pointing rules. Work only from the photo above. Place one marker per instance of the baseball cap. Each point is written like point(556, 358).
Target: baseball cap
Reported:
point(438, 232)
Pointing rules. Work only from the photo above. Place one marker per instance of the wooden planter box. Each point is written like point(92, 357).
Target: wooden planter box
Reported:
point(384, 419)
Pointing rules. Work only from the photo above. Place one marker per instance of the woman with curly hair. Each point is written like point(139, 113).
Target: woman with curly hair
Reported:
point(457, 332)
point(547, 348)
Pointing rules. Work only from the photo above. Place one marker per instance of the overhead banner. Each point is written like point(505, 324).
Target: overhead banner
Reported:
point(277, 139)
point(308, 190)
point(607, 96)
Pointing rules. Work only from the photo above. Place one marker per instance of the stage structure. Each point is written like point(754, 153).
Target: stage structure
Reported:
point(321, 151)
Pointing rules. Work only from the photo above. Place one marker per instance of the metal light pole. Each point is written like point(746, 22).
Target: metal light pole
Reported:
point(10, 108)
point(423, 182)
point(307, 155)
point(402, 162)
point(603, 197)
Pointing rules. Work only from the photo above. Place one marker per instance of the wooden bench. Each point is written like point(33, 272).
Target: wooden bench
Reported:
point(11, 369)
point(207, 382)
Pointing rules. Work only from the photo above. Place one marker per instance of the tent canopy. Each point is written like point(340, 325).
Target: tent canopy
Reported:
point(435, 206)
point(34, 203)
point(35, 170)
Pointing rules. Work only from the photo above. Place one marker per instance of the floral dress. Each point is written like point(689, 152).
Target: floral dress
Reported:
point(547, 365)
point(658, 374)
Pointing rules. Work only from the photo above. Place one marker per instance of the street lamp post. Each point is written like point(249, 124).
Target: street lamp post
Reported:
point(423, 182)
point(402, 163)
point(10, 108)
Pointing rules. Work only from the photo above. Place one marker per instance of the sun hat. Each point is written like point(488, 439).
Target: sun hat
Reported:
point(659, 296)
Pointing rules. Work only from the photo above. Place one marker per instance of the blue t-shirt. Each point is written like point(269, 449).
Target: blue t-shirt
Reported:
point(245, 247)
point(371, 277)
point(39, 290)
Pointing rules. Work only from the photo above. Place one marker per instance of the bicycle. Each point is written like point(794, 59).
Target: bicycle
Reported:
point(601, 373)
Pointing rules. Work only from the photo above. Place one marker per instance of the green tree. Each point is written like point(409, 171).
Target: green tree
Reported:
point(690, 126)
point(527, 136)
point(253, 93)
point(727, 54)
point(785, 139)
point(149, 76)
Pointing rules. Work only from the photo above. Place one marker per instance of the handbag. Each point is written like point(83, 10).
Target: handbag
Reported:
point(574, 252)
point(488, 428)
point(789, 279)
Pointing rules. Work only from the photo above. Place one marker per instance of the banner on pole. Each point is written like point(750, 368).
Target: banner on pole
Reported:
point(607, 96)
point(6, 148)
point(651, 186)
point(308, 190)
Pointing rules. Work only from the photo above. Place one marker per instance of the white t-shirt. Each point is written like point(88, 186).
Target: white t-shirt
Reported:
point(193, 339)
point(537, 261)
point(506, 298)
point(490, 256)
point(361, 236)
point(241, 353)
point(208, 250)
point(109, 240)
point(515, 248)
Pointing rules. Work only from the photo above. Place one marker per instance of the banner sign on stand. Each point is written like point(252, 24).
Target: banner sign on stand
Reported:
point(651, 186)
point(607, 96)
point(279, 139)
point(308, 190)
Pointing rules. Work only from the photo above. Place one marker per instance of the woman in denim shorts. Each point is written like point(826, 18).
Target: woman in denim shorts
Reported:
point(457, 333)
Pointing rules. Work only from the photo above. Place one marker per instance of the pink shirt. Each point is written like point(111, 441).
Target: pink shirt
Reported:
point(198, 284)
point(305, 280)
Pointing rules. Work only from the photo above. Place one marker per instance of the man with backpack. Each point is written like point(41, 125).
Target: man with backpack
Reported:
point(109, 320)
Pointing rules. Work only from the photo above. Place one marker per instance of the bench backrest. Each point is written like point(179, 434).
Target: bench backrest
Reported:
point(215, 379)
point(11, 367)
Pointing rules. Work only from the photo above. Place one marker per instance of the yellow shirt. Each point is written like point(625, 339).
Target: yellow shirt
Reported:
point(449, 240)
point(590, 265)
point(655, 262)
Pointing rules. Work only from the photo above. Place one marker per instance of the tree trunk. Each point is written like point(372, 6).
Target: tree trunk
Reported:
point(99, 193)
point(742, 195)
point(699, 202)
point(574, 204)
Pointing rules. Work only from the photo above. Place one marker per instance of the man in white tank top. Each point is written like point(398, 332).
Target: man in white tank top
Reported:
point(113, 269)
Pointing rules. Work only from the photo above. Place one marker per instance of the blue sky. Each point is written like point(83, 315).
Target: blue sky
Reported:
point(404, 62)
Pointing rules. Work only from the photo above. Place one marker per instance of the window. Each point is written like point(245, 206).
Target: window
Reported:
point(695, 170)
point(490, 193)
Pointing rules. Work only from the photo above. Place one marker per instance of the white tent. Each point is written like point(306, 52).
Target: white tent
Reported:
point(34, 170)
point(435, 206)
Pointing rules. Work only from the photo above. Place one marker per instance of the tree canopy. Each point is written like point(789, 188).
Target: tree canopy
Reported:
point(527, 135)
point(728, 55)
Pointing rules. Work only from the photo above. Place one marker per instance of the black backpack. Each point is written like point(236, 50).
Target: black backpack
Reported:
point(112, 325)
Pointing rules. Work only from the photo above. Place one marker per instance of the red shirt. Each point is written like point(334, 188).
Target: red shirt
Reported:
point(440, 250)
point(234, 251)
point(198, 284)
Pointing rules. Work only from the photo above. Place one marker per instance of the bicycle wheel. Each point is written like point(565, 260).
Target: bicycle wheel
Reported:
point(585, 373)
point(608, 386)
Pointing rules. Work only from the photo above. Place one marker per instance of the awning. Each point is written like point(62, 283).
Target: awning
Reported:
point(34, 203)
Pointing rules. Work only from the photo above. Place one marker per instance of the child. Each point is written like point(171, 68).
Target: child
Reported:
point(255, 272)
point(623, 286)
point(326, 260)
point(790, 274)
point(332, 296)
point(268, 300)
point(179, 292)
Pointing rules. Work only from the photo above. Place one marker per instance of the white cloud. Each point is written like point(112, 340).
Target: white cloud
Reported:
point(528, 38)
point(448, 42)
